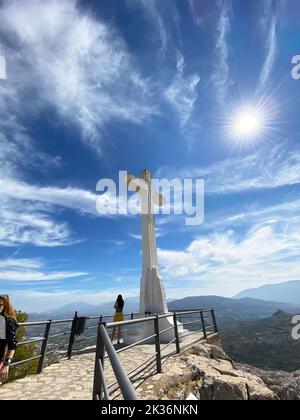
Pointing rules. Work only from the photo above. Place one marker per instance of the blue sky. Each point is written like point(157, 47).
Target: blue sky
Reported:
point(95, 87)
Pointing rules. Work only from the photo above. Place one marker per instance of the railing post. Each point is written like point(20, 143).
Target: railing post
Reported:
point(203, 325)
point(214, 320)
point(44, 348)
point(157, 344)
point(72, 336)
point(176, 333)
point(100, 350)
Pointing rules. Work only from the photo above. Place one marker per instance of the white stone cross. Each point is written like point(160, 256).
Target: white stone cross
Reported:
point(152, 292)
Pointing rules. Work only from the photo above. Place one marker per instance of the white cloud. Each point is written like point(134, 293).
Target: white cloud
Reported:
point(270, 22)
point(221, 72)
point(182, 93)
point(267, 168)
point(29, 270)
point(288, 213)
point(73, 198)
point(29, 212)
point(61, 57)
point(203, 12)
point(32, 276)
point(25, 223)
point(226, 263)
point(2, 68)
point(151, 7)
point(33, 300)
point(72, 62)
point(20, 263)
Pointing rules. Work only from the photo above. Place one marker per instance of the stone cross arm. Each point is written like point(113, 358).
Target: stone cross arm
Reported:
point(141, 185)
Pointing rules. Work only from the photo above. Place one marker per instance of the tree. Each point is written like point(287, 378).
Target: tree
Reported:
point(23, 352)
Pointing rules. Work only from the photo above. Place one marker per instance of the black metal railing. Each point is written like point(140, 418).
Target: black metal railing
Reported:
point(48, 337)
point(124, 381)
point(100, 387)
point(53, 332)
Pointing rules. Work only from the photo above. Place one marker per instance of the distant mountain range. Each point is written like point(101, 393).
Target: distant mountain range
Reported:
point(227, 310)
point(234, 310)
point(283, 292)
point(85, 309)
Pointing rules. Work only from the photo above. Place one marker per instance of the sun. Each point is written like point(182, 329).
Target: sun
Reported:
point(246, 124)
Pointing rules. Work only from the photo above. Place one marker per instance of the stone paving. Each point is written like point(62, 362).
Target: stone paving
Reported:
point(73, 379)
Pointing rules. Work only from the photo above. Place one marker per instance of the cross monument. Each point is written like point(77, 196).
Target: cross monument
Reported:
point(152, 291)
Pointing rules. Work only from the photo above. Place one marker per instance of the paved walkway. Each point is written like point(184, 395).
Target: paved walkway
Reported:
point(73, 379)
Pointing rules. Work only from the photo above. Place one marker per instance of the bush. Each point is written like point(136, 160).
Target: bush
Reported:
point(24, 352)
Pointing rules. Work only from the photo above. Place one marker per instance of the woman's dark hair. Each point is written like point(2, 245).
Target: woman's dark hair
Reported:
point(120, 302)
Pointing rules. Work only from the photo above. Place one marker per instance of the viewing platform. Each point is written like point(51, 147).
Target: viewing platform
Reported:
point(103, 371)
point(73, 379)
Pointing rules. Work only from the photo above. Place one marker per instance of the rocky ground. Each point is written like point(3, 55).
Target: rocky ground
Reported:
point(205, 372)
point(286, 386)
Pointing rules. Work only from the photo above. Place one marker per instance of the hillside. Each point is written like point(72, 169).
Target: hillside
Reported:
point(265, 343)
point(227, 310)
point(282, 292)
point(233, 310)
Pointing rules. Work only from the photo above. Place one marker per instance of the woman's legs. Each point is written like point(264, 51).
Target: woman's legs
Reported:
point(119, 334)
point(113, 334)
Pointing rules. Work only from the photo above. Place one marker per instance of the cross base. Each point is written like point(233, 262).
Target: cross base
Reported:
point(138, 332)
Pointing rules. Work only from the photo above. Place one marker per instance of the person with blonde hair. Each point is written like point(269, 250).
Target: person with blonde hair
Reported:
point(8, 336)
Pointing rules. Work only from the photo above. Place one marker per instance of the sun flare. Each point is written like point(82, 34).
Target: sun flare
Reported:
point(246, 124)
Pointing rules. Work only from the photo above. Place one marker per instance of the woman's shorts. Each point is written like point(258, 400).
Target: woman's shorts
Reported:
point(118, 317)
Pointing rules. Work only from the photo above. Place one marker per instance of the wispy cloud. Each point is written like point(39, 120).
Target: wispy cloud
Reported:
point(24, 223)
point(24, 270)
point(29, 212)
point(2, 67)
point(221, 73)
point(182, 93)
point(74, 63)
point(72, 198)
point(270, 22)
point(227, 263)
point(151, 7)
point(63, 59)
point(38, 300)
point(21, 263)
point(267, 168)
point(203, 12)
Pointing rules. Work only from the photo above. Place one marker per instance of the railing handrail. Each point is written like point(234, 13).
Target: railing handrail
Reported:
point(37, 323)
point(67, 320)
point(100, 387)
point(46, 337)
point(126, 387)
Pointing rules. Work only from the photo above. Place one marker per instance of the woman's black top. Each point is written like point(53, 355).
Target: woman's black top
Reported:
point(11, 341)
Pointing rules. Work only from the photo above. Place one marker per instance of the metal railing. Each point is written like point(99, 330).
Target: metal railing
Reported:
point(54, 330)
point(100, 386)
point(46, 339)
point(124, 381)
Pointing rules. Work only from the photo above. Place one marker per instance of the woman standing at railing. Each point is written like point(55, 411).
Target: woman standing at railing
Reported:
point(119, 305)
point(8, 336)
